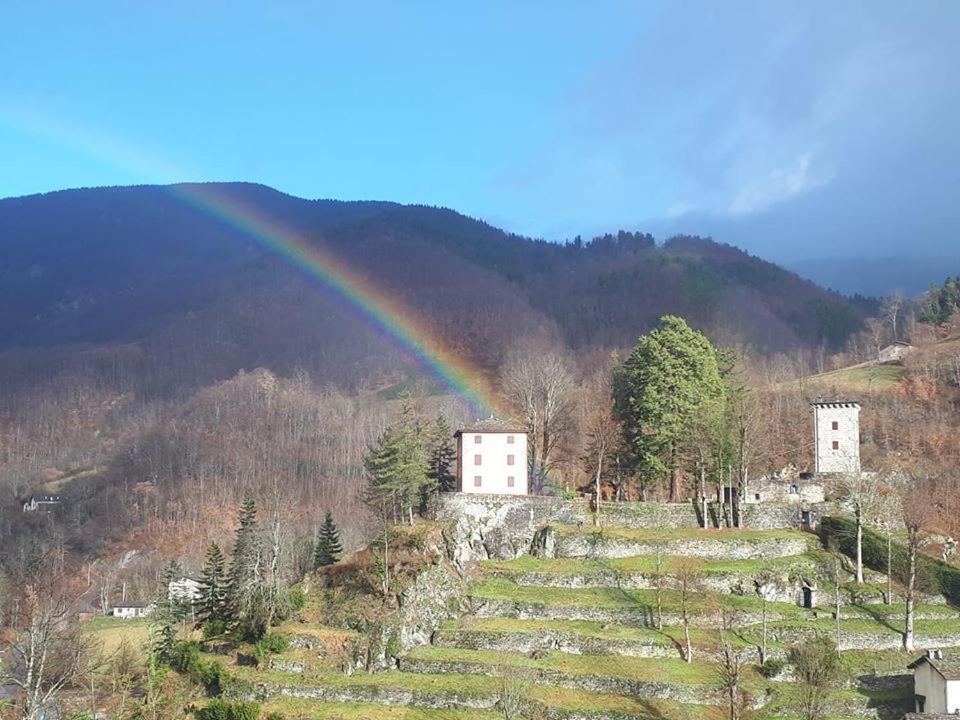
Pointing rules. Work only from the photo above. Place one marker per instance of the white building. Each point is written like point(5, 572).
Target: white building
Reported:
point(936, 683)
point(184, 590)
point(46, 503)
point(836, 434)
point(492, 459)
point(131, 610)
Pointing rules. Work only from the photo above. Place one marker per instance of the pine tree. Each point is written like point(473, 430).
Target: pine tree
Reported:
point(441, 454)
point(665, 390)
point(329, 548)
point(212, 603)
point(246, 567)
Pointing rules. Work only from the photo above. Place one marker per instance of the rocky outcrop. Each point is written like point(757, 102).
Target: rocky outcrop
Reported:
point(500, 527)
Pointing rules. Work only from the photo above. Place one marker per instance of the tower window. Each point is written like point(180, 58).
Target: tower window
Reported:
point(510, 459)
point(509, 480)
point(509, 439)
point(477, 459)
point(476, 481)
point(477, 439)
point(836, 445)
point(835, 425)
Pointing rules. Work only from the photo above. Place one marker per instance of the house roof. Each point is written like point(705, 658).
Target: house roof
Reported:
point(948, 665)
point(130, 605)
point(492, 425)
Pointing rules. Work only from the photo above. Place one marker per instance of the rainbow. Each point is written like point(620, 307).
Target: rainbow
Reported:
point(384, 311)
point(388, 313)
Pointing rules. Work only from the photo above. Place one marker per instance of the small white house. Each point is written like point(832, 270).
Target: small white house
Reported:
point(184, 590)
point(492, 459)
point(836, 435)
point(45, 503)
point(131, 610)
point(895, 352)
point(936, 683)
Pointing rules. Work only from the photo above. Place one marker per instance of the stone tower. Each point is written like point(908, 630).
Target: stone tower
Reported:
point(836, 435)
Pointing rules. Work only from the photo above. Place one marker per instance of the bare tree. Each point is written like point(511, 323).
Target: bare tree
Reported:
point(863, 491)
point(541, 385)
point(49, 653)
point(890, 309)
point(730, 669)
point(688, 573)
point(876, 329)
point(918, 512)
point(765, 584)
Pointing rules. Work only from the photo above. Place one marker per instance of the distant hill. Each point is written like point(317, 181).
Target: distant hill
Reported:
point(877, 277)
point(198, 299)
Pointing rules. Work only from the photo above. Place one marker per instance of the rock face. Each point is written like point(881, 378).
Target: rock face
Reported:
point(500, 527)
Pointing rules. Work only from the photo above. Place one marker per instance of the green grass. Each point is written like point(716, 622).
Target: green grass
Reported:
point(866, 376)
point(315, 710)
point(111, 632)
point(671, 670)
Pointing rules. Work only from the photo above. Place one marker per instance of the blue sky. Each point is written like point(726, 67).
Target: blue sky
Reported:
point(794, 129)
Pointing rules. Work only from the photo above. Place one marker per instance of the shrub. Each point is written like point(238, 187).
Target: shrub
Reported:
point(297, 600)
point(841, 531)
point(772, 667)
point(229, 710)
point(214, 628)
point(185, 656)
point(274, 643)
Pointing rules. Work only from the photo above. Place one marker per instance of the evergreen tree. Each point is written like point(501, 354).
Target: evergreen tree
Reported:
point(397, 468)
point(329, 548)
point(212, 604)
point(164, 620)
point(441, 454)
point(663, 392)
point(246, 566)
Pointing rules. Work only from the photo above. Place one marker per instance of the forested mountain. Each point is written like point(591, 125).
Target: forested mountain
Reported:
point(192, 298)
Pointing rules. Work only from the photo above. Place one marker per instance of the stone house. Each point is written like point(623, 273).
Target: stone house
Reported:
point(492, 459)
point(895, 352)
point(936, 683)
point(836, 437)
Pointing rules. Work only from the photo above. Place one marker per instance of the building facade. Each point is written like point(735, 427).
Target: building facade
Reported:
point(836, 434)
point(936, 683)
point(492, 459)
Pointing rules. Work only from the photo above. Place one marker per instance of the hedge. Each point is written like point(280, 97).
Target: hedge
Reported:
point(841, 532)
point(229, 710)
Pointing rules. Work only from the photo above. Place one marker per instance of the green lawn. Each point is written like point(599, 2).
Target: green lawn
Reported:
point(645, 564)
point(725, 535)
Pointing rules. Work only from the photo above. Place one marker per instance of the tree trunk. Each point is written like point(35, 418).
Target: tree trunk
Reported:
point(763, 641)
point(889, 566)
point(859, 518)
point(596, 484)
point(911, 581)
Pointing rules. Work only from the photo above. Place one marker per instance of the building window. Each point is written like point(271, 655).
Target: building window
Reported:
point(477, 459)
point(509, 480)
point(476, 481)
point(477, 439)
point(836, 425)
point(509, 459)
point(794, 490)
point(836, 444)
point(509, 439)
point(756, 496)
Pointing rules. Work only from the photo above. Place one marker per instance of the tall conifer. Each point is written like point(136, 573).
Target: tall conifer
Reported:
point(329, 548)
point(212, 603)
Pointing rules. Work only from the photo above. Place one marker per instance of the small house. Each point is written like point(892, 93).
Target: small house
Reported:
point(895, 352)
point(492, 459)
point(936, 683)
point(44, 503)
point(131, 610)
point(184, 590)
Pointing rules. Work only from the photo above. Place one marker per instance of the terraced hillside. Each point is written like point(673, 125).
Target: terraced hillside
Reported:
point(596, 631)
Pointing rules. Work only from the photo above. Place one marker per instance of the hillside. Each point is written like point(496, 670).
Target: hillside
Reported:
point(202, 297)
point(588, 628)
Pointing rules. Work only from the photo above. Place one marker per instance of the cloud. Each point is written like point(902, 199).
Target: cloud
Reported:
point(779, 185)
